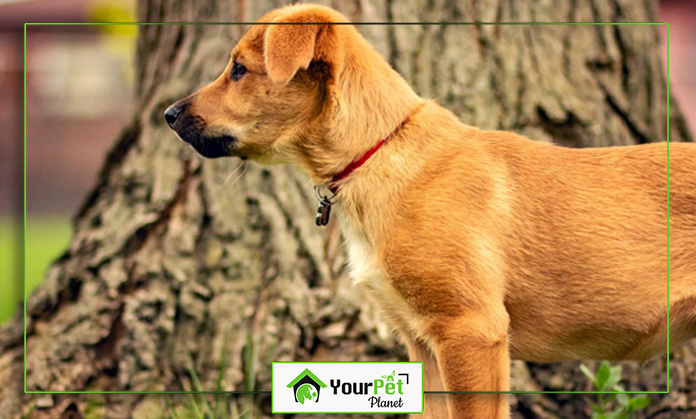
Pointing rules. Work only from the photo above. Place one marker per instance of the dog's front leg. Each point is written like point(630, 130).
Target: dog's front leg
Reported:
point(435, 405)
point(472, 354)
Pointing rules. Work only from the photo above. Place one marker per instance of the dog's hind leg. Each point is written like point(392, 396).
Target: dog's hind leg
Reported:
point(472, 354)
point(682, 322)
point(435, 405)
point(682, 328)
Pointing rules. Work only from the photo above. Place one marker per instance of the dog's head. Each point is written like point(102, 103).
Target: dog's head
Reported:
point(273, 92)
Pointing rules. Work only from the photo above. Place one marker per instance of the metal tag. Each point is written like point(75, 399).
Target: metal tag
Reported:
point(323, 213)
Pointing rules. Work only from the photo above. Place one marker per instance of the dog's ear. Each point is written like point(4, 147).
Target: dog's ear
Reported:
point(297, 38)
point(287, 49)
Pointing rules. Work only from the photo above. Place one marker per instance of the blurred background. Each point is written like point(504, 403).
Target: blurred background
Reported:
point(80, 95)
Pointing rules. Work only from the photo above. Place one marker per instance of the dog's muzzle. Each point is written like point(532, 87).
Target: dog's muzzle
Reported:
point(189, 128)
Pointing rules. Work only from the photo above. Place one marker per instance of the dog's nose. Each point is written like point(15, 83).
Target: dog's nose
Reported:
point(172, 114)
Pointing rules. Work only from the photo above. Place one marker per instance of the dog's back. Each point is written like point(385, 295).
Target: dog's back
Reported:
point(590, 228)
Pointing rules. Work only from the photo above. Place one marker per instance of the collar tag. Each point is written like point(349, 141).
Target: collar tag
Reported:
point(323, 213)
point(324, 208)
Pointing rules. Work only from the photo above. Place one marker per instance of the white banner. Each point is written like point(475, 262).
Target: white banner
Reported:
point(347, 387)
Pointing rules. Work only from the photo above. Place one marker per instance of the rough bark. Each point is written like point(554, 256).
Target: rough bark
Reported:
point(174, 258)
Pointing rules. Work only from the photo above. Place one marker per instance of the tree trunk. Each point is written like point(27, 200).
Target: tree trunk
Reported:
point(180, 265)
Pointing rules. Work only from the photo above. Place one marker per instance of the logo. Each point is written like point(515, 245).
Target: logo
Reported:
point(347, 387)
point(306, 387)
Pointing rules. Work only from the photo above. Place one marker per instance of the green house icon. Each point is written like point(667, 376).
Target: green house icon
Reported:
point(306, 387)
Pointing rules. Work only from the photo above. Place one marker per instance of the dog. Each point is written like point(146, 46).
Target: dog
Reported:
point(479, 246)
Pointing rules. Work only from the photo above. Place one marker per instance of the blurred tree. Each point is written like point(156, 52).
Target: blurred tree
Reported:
point(174, 257)
point(120, 39)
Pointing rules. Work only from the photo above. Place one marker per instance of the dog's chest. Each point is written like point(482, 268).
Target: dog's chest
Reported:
point(367, 272)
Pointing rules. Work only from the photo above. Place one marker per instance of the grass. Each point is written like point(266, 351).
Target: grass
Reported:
point(47, 237)
point(617, 405)
point(202, 406)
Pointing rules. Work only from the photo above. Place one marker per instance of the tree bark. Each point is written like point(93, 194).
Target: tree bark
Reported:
point(176, 260)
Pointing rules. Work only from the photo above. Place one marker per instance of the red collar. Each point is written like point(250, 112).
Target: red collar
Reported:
point(333, 187)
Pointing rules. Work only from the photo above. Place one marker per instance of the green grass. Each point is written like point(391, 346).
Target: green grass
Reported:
point(203, 406)
point(47, 238)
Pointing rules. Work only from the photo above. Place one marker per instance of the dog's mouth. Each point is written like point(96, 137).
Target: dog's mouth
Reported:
point(207, 146)
point(212, 147)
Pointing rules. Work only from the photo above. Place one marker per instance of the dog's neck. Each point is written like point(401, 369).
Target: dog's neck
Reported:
point(366, 105)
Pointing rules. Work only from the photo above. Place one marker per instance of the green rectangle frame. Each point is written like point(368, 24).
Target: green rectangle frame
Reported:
point(360, 24)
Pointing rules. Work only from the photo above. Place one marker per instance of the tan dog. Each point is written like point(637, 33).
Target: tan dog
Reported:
point(480, 246)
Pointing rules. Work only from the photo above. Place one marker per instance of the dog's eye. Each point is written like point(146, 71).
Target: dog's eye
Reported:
point(238, 71)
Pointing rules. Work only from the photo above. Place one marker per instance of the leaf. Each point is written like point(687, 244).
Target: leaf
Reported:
point(586, 371)
point(234, 411)
point(195, 409)
point(603, 374)
point(617, 414)
point(197, 386)
point(31, 410)
point(221, 372)
point(638, 403)
point(614, 377)
point(172, 409)
point(623, 399)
